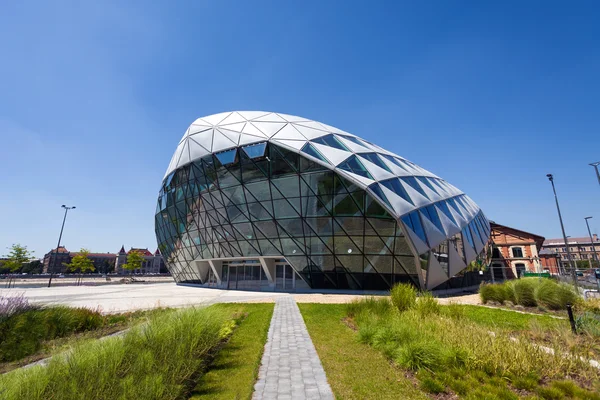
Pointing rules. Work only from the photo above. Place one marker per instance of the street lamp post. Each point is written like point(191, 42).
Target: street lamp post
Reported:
point(58, 245)
point(562, 227)
point(593, 249)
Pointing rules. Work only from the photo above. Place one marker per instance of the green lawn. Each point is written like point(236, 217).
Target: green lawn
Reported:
point(354, 370)
point(506, 319)
point(235, 368)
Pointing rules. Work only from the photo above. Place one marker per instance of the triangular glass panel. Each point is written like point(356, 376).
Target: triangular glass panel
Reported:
point(353, 164)
point(427, 183)
point(442, 205)
point(374, 209)
point(379, 193)
point(374, 158)
point(431, 213)
point(227, 157)
point(414, 223)
point(255, 150)
point(311, 151)
point(331, 141)
point(395, 186)
point(410, 180)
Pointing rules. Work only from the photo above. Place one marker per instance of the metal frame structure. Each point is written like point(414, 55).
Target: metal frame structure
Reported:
point(346, 213)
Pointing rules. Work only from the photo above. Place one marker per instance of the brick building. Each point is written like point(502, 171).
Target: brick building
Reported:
point(582, 248)
point(104, 262)
point(514, 252)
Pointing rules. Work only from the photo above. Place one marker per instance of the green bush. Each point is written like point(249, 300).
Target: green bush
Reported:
point(567, 295)
point(370, 305)
point(22, 334)
point(493, 292)
point(420, 354)
point(431, 385)
point(547, 294)
point(155, 360)
point(524, 290)
point(427, 305)
point(404, 296)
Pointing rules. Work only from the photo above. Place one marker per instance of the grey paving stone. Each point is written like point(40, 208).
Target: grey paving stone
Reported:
point(290, 367)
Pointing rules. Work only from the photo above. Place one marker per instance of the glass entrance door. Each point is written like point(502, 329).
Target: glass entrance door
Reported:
point(232, 277)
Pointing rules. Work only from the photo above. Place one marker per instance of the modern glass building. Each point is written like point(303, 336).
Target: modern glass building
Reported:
point(260, 200)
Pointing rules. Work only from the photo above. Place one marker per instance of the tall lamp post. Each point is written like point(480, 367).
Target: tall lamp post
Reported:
point(562, 227)
point(595, 165)
point(58, 245)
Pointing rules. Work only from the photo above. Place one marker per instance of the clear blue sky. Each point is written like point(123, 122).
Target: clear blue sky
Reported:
point(489, 95)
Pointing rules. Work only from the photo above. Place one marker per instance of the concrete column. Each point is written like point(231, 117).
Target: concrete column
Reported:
point(202, 268)
point(216, 266)
point(268, 265)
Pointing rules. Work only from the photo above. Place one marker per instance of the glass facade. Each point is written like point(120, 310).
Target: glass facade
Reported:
point(333, 210)
point(278, 203)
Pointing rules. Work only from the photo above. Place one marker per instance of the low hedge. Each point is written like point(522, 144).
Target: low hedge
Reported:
point(530, 292)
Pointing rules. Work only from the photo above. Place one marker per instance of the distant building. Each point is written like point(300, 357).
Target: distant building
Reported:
point(104, 262)
point(55, 262)
point(514, 252)
point(550, 262)
point(580, 247)
point(153, 263)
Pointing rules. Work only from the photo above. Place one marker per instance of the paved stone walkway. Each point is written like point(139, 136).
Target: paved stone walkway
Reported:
point(290, 367)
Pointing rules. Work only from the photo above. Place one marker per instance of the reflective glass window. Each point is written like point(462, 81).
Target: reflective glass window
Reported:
point(374, 209)
point(442, 205)
point(227, 157)
point(467, 234)
point(331, 141)
point(432, 215)
point(374, 158)
point(353, 164)
point(414, 184)
point(393, 160)
point(395, 186)
point(414, 223)
point(425, 181)
point(353, 140)
point(311, 151)
point(255, 150)
point(379, 193)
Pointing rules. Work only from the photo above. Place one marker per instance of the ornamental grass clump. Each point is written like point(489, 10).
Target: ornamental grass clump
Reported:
point(23, 332)
point(155, 360)
point(524, 290)
point(492, 292)
point(427, 305)
point(442, 344)
point(404, 296)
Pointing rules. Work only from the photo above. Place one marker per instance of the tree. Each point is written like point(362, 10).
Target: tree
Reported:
point(585, 264)
point(81, 263)
point(17, 256)
point(33, 267)
point(134, 261)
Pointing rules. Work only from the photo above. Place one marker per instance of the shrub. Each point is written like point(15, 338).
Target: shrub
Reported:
point(492, 292)
point(588, 323)
point(431, 385)
point(567, 295)
point(23, 333)
point(524, 290)
point(404, 296)
point(152, 361)
point(419, 355)
point(550, 393)
point(547, 294)
point(11, 305)
point(371, 305)
point(427, 305)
